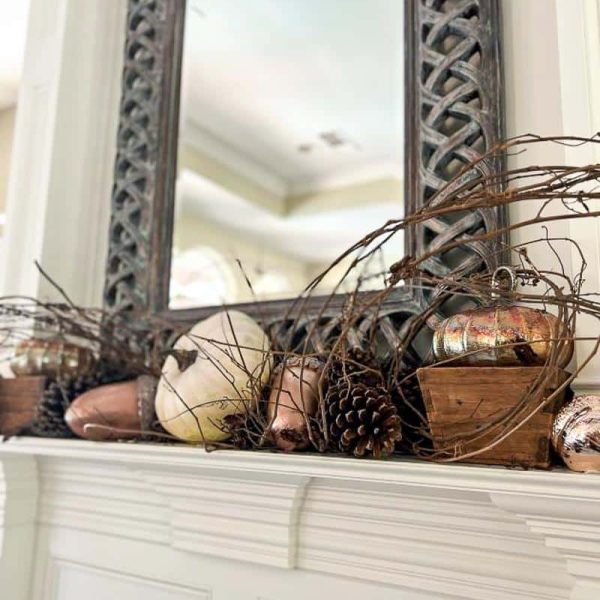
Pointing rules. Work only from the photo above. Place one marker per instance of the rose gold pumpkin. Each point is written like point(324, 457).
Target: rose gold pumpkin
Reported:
point(501, 336)
point(576, 434)
point(293, 400)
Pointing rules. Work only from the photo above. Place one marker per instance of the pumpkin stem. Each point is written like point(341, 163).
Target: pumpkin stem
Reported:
point(185, 358)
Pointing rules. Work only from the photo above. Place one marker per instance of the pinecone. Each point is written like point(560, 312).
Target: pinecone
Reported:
point(50, 419)
point(361, 418)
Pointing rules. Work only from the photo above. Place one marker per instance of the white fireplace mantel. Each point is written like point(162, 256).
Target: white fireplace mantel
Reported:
point(155, 521)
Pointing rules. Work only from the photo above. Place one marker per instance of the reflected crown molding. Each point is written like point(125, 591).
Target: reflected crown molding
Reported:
point(239, 165)
point(206, 143)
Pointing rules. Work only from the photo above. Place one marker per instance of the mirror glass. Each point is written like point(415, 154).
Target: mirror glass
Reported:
point(290, 145)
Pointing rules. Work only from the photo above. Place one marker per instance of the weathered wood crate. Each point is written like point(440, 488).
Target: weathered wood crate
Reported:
point(460, 399)
point(19, 402)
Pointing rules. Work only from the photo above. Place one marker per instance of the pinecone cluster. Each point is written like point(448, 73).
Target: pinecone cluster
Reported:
point(361, 417)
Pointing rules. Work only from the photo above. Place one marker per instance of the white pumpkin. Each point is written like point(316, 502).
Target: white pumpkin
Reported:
point(231, 366)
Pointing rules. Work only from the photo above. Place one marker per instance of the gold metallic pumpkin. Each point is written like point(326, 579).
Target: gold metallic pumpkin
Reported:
point(500, 336)
point(576, 434)
point(52, 358)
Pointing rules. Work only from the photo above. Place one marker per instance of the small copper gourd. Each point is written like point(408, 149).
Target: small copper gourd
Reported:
point(501, 335)
point(576, 434)
point(293, 400)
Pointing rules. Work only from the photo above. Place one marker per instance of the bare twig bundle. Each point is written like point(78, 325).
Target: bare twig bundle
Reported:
point(559, 193)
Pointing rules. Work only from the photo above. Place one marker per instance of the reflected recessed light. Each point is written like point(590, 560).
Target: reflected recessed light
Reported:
point(335, 139)
point(332, 138)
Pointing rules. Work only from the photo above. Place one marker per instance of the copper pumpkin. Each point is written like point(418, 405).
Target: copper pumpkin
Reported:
point(576, 434)
point(501, 336)
point(294, 399)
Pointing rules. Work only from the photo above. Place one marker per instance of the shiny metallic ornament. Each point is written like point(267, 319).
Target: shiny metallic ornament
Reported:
point(51, 358)
point(294, 398)
point(576, 434)
point(501, 335)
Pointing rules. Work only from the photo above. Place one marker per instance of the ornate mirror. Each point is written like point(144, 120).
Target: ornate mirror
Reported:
point(259, 139)
point(290, 144)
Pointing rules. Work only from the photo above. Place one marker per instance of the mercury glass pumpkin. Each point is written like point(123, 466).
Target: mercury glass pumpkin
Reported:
point(576, 434)
point(500, 336)
point(52, 358)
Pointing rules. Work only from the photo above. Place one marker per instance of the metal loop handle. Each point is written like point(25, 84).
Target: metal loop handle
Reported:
point(496, 283)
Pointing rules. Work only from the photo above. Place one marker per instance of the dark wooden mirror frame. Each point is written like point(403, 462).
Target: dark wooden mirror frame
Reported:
point(445, 41)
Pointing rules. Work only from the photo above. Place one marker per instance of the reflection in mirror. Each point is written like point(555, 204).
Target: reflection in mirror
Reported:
point(290, 145)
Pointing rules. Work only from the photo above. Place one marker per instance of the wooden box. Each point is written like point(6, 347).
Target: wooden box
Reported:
point(19, 401)
point(459, 399)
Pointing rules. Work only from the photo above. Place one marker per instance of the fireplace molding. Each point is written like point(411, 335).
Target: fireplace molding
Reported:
point(434, 531)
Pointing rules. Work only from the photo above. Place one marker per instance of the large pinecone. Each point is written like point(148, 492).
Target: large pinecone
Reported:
point(362, 418)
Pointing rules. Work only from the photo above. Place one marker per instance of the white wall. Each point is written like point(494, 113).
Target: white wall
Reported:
point(59, 191)
point(7, 126)
point(552, 67)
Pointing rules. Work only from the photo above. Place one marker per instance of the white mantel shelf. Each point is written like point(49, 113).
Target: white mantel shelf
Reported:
point(431, 530)
point(559, 483)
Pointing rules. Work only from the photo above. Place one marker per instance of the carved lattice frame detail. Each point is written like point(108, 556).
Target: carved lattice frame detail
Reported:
point(454, 111)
